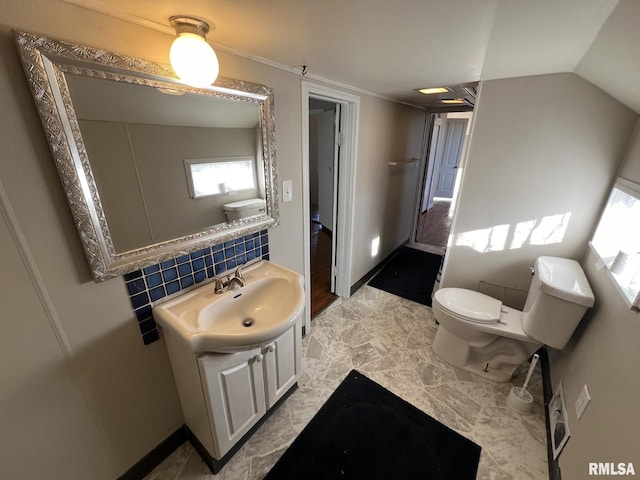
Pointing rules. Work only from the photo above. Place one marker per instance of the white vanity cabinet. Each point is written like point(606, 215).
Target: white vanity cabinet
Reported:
point(233, 387)
point(236, 355)
point(224, 395)
point(282, 364)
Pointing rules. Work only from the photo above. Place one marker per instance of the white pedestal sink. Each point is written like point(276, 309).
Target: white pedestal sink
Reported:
point(235, 356)
point(236, 320)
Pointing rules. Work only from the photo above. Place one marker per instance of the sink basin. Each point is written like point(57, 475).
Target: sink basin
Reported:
point(236, 320)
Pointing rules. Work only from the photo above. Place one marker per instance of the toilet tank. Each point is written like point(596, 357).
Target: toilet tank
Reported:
point(244, 208)
point(558, 299)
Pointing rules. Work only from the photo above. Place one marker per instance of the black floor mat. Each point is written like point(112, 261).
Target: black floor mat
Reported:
point(365, 432)
point(409, 274)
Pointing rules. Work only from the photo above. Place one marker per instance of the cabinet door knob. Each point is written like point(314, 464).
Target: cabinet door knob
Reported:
point(259, 357)
point(272, 348)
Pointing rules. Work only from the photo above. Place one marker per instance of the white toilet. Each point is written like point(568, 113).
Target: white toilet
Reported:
point(244, 208)
point(479, 334)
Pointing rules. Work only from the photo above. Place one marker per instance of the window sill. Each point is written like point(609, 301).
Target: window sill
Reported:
point(229, 193)
point(631, 301)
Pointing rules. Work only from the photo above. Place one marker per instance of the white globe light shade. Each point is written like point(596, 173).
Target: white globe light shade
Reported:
point(193, 60)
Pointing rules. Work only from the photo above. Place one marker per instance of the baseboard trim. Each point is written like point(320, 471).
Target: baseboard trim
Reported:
point(156, 456)
point(369, 275)
point(547, 392)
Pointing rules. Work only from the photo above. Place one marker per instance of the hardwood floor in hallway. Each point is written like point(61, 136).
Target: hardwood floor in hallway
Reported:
point(321, 296)
point(434, 226)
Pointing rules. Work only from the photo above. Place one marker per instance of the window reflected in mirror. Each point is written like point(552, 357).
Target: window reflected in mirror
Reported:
point(220, 176)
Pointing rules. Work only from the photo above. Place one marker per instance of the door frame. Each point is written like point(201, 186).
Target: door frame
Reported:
point(349, 119)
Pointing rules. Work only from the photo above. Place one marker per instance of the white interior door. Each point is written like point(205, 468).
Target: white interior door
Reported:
point(337, 152)
point(448, 168)
point(326, 174)
point(427, 197)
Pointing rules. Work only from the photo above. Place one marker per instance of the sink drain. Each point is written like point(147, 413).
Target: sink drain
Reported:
point(248, 322)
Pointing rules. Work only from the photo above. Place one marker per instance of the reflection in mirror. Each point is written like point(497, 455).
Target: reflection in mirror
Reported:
point(138, 139)
point(152, 168)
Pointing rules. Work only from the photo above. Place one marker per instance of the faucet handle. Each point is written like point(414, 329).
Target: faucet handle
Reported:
point(239, 274)
point(218, 286)
point(237, 280)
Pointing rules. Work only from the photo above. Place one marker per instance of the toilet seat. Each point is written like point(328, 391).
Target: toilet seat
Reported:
point(459, 307)
point(469, 305)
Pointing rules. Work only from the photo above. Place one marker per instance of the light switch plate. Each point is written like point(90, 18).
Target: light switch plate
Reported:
point(583, 401)
point(287, 190)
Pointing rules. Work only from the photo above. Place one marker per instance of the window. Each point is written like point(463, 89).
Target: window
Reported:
point(216, 176)
point(617, 239)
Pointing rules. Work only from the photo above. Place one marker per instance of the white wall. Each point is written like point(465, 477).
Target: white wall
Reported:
point(603, 354)
point(77, 384)
point(385, 195)
point(80, 396)
point(113, 163)
point(543, 153)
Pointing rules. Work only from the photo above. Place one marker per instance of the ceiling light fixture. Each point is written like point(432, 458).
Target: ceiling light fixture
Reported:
point(453, 101)
point(432, 90)
point(192, 58)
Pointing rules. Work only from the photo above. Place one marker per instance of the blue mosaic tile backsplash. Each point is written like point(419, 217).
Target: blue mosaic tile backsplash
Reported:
point(157, 281)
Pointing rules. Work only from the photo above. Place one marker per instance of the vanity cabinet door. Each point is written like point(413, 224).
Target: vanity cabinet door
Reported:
point(234, 386)
point(282, 362)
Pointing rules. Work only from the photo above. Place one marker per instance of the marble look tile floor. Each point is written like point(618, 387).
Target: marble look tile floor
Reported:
point(389, 339)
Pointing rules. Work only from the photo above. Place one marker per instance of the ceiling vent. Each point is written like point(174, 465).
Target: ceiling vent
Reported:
point(471, 91)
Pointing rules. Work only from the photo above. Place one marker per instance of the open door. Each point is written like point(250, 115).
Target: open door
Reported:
point(328, 150)
point(452, 152)
point(434, 142)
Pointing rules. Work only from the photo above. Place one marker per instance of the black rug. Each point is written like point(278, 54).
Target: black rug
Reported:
point(410, 274)
point(365, 432)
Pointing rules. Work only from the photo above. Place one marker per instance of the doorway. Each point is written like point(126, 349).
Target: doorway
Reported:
point(346, 111)
point(324, 152)
point(448, 138)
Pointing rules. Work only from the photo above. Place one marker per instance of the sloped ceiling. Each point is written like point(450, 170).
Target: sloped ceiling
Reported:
point(613, 61)
point(393, 47)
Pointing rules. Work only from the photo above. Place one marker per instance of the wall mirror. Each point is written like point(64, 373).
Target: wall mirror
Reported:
point(151, 167)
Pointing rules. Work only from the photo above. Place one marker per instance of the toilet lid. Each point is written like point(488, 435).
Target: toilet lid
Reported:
point(241, 204)
point(469, 304)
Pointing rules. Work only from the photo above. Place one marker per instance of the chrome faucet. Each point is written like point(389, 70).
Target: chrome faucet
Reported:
point(218, 286)
point(237, 281)
point(233, 282)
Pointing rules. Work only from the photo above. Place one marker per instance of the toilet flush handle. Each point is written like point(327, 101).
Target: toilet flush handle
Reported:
point(532, 270)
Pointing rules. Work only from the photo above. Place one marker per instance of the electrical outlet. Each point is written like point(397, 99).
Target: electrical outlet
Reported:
point(583, 401)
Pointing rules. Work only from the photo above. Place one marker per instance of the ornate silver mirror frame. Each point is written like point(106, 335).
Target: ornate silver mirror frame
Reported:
point(46, 63)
